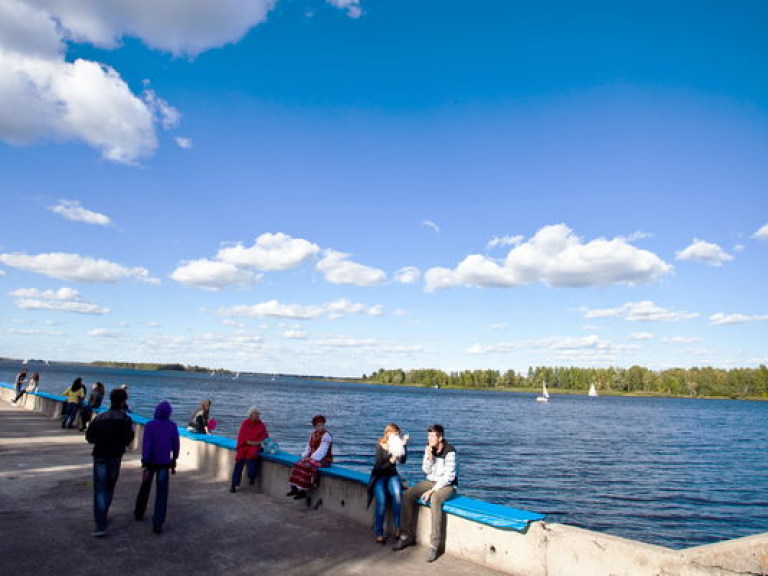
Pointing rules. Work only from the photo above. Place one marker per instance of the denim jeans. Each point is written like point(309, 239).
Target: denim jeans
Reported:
point(106, 471)
point(237, 473)
point(161, 494)
point(383, 488)
point(69, 414)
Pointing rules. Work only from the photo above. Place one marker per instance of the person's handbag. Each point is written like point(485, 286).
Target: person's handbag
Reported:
point(270, 446)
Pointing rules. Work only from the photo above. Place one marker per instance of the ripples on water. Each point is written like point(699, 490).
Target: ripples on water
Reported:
point(672, 472)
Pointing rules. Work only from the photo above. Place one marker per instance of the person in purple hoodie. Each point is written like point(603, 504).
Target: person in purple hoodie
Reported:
point(159, 452)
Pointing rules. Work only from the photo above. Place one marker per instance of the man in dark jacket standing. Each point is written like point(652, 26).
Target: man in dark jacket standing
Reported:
point(111, 432)
point(160, 450)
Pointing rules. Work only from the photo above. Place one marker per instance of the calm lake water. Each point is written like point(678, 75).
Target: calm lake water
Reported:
point(673, 472)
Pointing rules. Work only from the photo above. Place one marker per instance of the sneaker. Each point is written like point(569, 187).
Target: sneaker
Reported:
point(403, 542)
point(232, 489)
point(99, 533)
point(433, 554)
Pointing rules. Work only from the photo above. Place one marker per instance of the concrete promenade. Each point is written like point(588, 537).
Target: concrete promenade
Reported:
point(46, 517)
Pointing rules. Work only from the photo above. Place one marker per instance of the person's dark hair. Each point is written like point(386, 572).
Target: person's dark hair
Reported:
point(317, 419)
point(77, 384)
point(117, 398)
point(437, 429)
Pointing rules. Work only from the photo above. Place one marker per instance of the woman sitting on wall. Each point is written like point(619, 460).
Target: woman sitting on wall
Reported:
point(32, 385)
point(252, 434)
point(198, 422)
point(316, 454)
point(385, 483)
point(95, 398)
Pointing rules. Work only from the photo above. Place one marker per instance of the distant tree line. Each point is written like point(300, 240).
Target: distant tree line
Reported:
point(705, 381)
point(152, 366)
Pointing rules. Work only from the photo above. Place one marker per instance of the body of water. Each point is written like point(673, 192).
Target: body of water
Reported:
point(673, 472)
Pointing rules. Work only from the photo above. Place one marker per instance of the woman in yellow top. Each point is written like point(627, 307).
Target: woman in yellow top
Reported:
point(75, 395)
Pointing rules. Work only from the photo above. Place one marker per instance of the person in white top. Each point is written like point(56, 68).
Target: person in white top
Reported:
point(440, 466)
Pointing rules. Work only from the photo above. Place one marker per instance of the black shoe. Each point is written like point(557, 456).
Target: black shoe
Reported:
point(433, 554)
point(138, 517)
point(293, 491)
point(157, 528)
point(300, 495)
point(251, 480)
point(232, 489)
point(403, 542)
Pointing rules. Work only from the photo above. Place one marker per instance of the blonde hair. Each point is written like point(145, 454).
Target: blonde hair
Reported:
point(390, 428)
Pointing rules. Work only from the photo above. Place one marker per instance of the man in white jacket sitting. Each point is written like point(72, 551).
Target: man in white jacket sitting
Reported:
point(440, 466)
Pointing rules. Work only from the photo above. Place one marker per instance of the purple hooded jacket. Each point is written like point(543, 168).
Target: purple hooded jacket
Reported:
point(161, 439)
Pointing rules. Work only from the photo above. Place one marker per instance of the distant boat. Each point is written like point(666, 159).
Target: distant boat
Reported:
point(544, 394)
point(592, 390)
point(236, 376)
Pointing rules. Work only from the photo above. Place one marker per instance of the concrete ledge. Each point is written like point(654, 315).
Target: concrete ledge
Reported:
point(541, 550)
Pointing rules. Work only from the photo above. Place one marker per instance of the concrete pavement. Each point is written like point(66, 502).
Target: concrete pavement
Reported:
point(46, 516)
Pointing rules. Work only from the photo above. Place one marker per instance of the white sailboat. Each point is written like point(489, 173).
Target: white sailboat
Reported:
point(544, 394)
point(592, 390)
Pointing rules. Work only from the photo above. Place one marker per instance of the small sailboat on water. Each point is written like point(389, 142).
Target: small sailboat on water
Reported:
point(592, 390)
point(544, 394)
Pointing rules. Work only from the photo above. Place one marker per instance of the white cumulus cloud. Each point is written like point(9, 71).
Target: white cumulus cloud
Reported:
point(557, 257)
point(681, 339)
point(721, 319)
point(270, 252)
point(72, 210)
point(61, 300)
point(66, 266)
point(702, 251)
point(644, 311)
point(352, 7)
point(338, 269)
point(276, 309)
point(762, 233)
point(640, 336)
point(407, 275)
point(558, 343)
point(104, 333)
point(497, 241)
point(47, 96)
point(212, 275)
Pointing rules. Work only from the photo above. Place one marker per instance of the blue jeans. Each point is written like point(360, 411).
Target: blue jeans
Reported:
point(387, 486)
point(161, 494)
point(237, 473)
point(69, 414)
point(106, 471)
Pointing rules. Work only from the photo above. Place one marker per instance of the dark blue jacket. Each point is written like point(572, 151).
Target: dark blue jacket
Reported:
point(161, 439)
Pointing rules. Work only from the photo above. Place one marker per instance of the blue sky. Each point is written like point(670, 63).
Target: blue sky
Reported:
point(332, 187)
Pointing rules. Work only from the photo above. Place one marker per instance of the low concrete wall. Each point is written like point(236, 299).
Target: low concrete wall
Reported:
point(543, 550)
